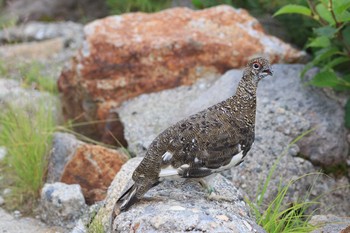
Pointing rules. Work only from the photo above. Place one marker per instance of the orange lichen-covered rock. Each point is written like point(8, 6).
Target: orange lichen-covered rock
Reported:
point(93, 168)
point(125, 56)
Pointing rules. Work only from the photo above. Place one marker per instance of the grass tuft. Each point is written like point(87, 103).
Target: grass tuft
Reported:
point(96, 226)
point(32, 77)
point(278, 216)
point(27, 136)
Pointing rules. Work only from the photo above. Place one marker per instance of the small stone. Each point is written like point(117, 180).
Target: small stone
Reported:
point(177, 208)
point(3, 152)
point(222, 217)
point(17, 214)
point(7, 191)
point(2, 201)
point(294, 150)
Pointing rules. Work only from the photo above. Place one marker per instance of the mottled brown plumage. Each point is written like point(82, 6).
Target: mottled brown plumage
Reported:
point(208, 142)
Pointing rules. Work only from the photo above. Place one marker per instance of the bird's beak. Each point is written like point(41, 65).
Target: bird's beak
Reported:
point(268, 71)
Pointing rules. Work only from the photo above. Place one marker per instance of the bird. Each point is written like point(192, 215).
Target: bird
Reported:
point(208, 142)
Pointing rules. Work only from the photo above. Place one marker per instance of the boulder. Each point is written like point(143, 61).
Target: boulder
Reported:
point(330, 224)
point(178, 207)
point(62, 204)
point(93, 167)
point(286, 109)
point(128, 55)
point(64, 146)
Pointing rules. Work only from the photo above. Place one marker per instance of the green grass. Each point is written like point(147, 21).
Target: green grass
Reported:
point(27, 136)
point(279, 216)
point(125, 6)
point(32, 77)
point(96, 226)
point(31, 74)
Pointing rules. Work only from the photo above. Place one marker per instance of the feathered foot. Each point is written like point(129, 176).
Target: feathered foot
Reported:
point(211, 192)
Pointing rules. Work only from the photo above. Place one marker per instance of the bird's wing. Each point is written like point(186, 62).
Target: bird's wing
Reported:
point(203, 144)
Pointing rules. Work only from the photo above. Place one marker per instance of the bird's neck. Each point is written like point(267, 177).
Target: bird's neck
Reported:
point(243, 103)
point(247, 88)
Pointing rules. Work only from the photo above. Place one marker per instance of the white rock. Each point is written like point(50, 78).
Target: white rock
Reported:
point(62, 204)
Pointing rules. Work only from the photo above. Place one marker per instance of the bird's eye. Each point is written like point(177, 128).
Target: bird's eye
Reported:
point(256, 66)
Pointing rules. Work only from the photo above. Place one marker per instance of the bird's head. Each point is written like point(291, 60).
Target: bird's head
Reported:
point(258, 67)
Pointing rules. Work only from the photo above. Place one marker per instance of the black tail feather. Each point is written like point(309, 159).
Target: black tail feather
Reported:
point(126, 191)
point(128, 198)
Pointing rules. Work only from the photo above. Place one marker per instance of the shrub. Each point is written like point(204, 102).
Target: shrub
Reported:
point(330, 43)
point(298, 28)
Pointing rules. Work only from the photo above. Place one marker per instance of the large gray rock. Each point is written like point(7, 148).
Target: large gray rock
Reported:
point(330, 224)
point(286, 109)
point(62, 204)
point(178, 207)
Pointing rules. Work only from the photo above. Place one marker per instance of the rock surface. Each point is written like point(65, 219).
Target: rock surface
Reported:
point(125, 56)
point(62, 204)
point(10, 224)
point(64, 146)
point(93, 167)
point(38, 31)
point(12, 94)
point(179, 207)
point(39, 42)
point(49, 10)
point(286, 109)
point(330, 224)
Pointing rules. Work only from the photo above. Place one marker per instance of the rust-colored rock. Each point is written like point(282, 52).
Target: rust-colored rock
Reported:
point(125, 56)
point(93, 167)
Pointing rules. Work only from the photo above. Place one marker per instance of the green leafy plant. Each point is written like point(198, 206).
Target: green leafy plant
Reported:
point(278, 216)
point(124, 6)
point(27, 135)
point(292, 28)
point(330, 43)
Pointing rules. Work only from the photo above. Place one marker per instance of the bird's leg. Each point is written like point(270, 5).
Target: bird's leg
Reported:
point(212, 194)
point(210, 189)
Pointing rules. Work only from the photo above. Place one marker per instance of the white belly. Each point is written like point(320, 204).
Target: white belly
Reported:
point(234, 161)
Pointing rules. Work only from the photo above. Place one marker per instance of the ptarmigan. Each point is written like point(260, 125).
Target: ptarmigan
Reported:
point(205, 143)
